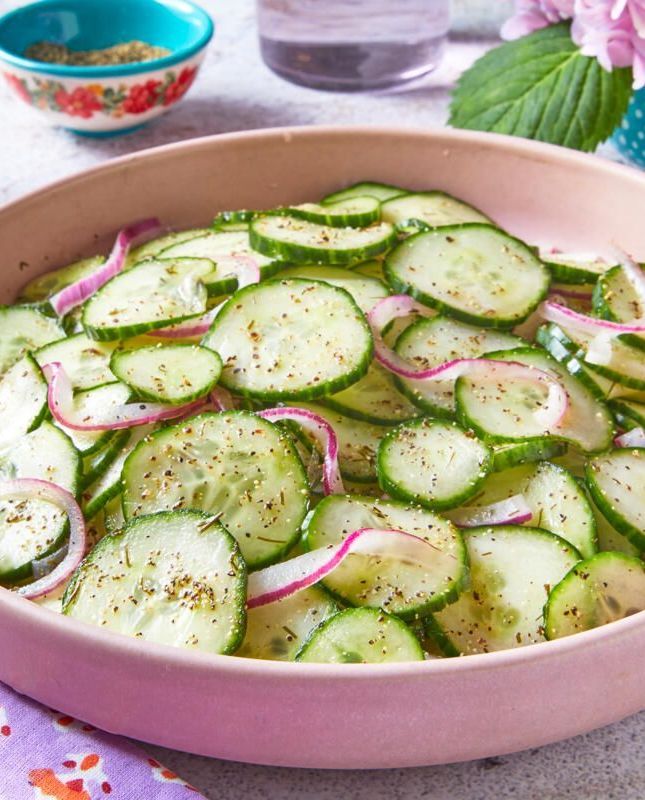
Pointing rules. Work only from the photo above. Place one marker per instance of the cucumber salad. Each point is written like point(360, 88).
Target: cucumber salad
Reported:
point(372, 428)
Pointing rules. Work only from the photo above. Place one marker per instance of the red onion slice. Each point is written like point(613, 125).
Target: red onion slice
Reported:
point(76, 293)
point(246, 270)
point(562, 291)
point(30, 489)
point(282, 580)
point(60, 399)
point(513, 511)
point(568, 318)
point(549, 415)
point(324, 435)
point(633, 438)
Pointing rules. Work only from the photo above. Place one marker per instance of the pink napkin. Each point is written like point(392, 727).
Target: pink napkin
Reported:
point(45, 755)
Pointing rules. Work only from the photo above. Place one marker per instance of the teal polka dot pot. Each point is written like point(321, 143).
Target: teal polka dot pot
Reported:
point(630, 137)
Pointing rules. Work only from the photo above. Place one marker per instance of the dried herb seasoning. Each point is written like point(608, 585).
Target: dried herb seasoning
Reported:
point(123, 53)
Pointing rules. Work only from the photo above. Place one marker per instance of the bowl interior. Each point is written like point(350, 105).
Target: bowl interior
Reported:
point(92, 24)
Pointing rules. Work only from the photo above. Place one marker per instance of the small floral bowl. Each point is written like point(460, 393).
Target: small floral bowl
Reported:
point(104, 100)
point(629, 138)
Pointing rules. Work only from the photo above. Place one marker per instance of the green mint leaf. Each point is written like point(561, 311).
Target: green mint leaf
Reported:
point(542, 87)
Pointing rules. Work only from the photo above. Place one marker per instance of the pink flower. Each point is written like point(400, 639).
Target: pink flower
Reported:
point(531, 15)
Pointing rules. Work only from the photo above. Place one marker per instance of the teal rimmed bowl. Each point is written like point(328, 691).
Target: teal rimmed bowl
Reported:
point(103, 100)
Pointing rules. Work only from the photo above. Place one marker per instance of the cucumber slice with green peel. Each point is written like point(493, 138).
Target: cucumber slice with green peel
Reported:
point(374, 398)
point(291, 339)
point(31, 529)
point(240, 217)
point(571, 268)
point(221, 246)
point(609, 539)
point(434, 463)
point(558, 503)
point(277, 631)
point(365, 291)
point(174, 374)
point(628, 413)
point(372, 268)
point(109, 485)
point(151, 295)
point(235, 465)
point(430, 342)
point(96, 464)
point(616, 299)
point(605, 588)
point(361, 636)
point(299, 241)
point(85, 361)
point(475, 273)
point(113, 519)
point(44, 286)
point(616, 481)
point(356, 212)
point(380, 191)
point(435, 209)
point(380, 581)
point(357, 443)
point(515, 453)
point(23, 329)
point(437, 643)
point(512, 570)
point(174, 578)
point(150, 250)
point(47, 454)
point(514, 412)
point(92, 402)
point(23, 399)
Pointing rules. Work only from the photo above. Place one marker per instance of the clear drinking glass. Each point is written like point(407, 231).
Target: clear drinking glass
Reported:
point(352, 45)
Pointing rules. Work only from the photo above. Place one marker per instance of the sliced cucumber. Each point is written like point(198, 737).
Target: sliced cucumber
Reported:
point(241, 217)
point(357, 443)
point(113, 519)
point(175, 374)
point(372, 268)
point(361, 636)
point(436, 209)
point(616, 299)
point(23, 329)
point(507, 414)
point(572, 268)
point(44, 286)
point(31, 528)
point(218, 247)
point(553, 495)
point(156, 246)
point(365, 291)
point(96, 464)
point(235, 465)
point(429, 342)
point(23, 399)
point(381, 191)
point(91, 402)
point(436, 464)
point(175, 578)
point(476, 273)
point(629, 413)
point(616, 481)
point(355, 212)
point(380, 581)
point(290, 339)
point(374, 398)
point(278, 630)
point(611, 539)
point(86, 361)
point(515, 453)
point(602, 589)
point(512, 570)
point(152, 295)
point(306, 242)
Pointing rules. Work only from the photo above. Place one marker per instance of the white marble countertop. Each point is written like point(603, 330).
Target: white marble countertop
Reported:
point(236, 92)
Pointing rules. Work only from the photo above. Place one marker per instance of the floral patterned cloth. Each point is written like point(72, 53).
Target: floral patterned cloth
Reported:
point(45, 755)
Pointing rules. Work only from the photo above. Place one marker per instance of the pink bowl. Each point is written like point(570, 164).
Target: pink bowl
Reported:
point(343, 716)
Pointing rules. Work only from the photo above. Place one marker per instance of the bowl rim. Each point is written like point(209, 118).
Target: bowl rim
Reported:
point(78, 632)
point(186, 9)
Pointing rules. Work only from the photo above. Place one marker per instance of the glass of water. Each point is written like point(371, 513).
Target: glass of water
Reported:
point(352, 45)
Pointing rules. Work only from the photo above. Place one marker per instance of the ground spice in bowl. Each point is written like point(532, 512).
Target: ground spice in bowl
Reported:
point(123, 53)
